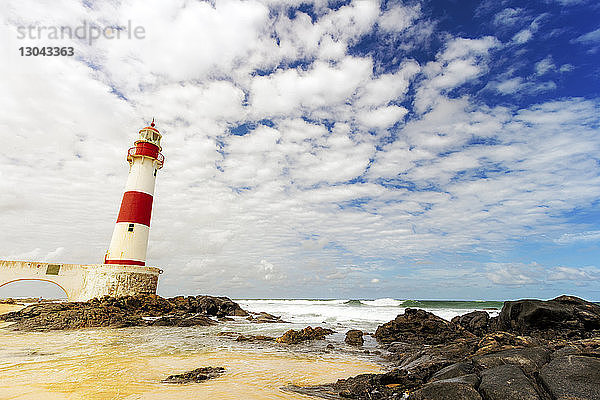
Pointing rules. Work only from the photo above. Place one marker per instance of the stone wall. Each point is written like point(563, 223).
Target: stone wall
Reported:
point(84, 282)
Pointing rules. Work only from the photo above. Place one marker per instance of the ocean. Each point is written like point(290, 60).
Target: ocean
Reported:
point(362, 314)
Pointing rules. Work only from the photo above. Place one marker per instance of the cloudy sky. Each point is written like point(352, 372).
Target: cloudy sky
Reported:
point(346, 149)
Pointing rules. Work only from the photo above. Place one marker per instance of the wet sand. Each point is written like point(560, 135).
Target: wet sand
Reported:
point(6, 308)
point(124, 364)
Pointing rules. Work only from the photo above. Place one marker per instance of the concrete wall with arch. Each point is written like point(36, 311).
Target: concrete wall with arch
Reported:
point(84, 282)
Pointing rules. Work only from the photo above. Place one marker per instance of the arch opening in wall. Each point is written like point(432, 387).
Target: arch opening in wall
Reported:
point(33, 288)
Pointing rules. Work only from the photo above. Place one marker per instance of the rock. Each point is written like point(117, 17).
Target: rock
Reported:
point(565, 316)
point(536, 350)
point(58, 316)
point(497, 341)
point(390, 385)
point(419, 326)
point(122, 312)
point(254, 338)
point(354, 337)
point(293, 337)
point(197, 375)
point(528, 359)
point(476, 322)
point(445, 390)
point(453, 371)
point(424, 363)
point(573, 377)
point(507, 382)
point(214, 306)
point(264, 317)
point(185, 320)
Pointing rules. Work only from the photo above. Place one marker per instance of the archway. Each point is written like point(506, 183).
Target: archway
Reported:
point(33, 288)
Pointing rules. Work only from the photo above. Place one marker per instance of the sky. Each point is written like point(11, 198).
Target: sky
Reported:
point(314, 149)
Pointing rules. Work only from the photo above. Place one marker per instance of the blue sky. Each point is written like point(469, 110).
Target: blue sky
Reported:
point(437, 149)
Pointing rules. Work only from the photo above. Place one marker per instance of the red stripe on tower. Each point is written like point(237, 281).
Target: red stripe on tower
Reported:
point(124, 262)
point(136, 207)
point(146, 149)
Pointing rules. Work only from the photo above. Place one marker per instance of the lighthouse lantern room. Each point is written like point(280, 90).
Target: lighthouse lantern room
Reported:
point(130, 237)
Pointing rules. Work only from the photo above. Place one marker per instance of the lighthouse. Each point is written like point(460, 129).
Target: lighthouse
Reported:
point(130, 237)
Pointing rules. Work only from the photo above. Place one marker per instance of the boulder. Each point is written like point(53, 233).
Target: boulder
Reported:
point(453, 371)
point(497, 341)
point(254, 338)
point(565, 316)
point(354, 337)
point(419, 326)
point(264, 317)
point(197, 375)
point(529, 360)
point(391, 385)
point(214, 306)
point(184, 320)
point(445, 390)
point(476, 322)
point(294, 337)
point(572, 377)
point(507, 382)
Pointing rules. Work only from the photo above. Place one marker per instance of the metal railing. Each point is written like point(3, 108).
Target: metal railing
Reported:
point(143, 152)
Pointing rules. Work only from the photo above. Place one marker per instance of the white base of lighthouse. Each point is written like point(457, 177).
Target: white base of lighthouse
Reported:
point(129, 242)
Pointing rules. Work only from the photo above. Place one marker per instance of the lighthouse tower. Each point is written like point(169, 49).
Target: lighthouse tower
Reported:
point(130, 237)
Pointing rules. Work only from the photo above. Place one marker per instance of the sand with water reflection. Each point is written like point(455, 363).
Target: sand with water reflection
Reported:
point(129, 363)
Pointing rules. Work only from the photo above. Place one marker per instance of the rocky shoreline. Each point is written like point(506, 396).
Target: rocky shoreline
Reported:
point(533, 349)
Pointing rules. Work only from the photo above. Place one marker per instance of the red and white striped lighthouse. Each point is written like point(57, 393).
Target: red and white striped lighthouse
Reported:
point(130, 238)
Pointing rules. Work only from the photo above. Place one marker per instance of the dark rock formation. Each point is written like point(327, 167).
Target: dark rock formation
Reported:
point(184, 320)
point(354, 337)
point(548, 350)
point(476, 322)
point(197, 375)
point(254, 338)
point(447, 390)
point(564, 316)
point(528, 359)
point(453, 371)
point(123, 312)
point(208, 305)
point(572, 377)
point(419, 326)
point(264, 317)
point(507, 382)
point(293, 337)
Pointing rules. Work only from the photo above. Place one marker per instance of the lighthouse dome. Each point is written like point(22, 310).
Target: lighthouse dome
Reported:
point(150, 134)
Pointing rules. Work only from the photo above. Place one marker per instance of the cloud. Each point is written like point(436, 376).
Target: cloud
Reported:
point(509, 17)
point(544, 66)
point(514, 274)
point(399, 18)
point(574, 274)
point(462, 60)
point(589, 236)
point(519, 274)
point(509, 86)
point(523, 36)
point(589, 38)
point(307, 152)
